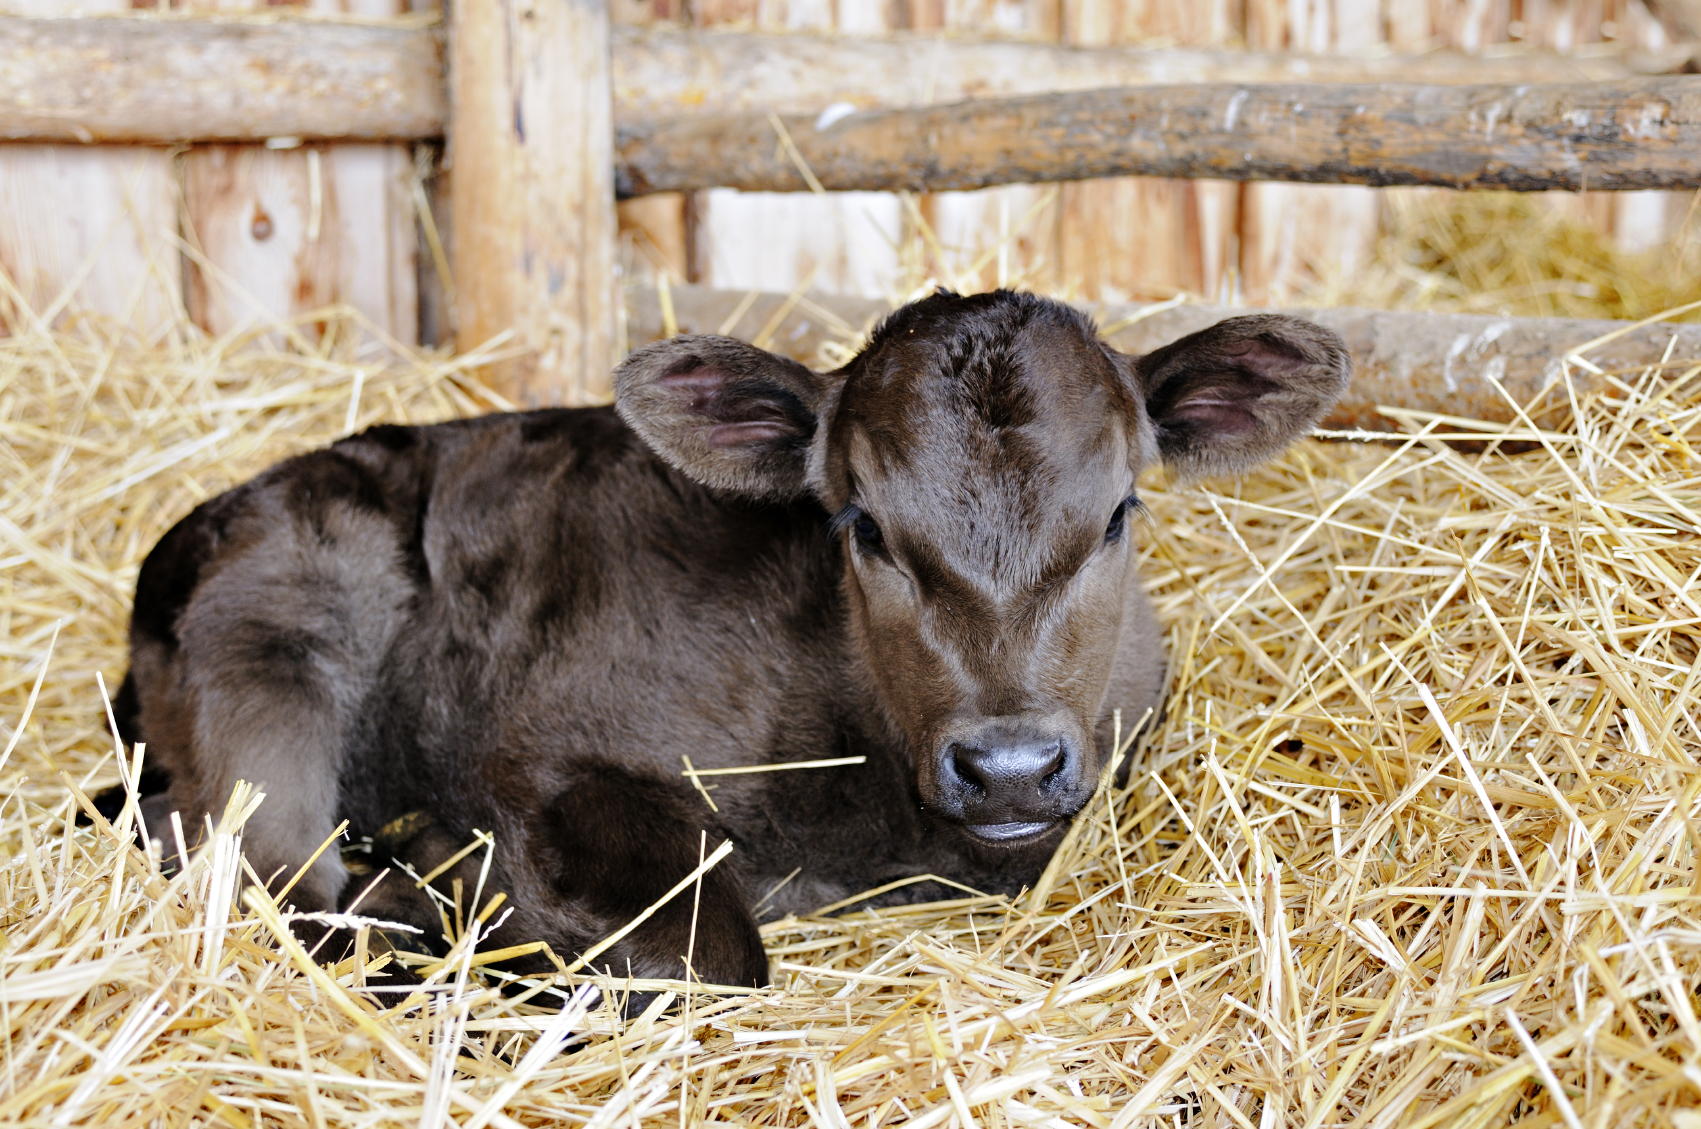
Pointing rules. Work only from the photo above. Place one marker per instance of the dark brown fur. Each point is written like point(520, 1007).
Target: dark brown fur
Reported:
point(521, 623)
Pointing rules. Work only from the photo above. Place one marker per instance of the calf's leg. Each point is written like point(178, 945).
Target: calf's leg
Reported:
point(277, 651)
point(614, 844)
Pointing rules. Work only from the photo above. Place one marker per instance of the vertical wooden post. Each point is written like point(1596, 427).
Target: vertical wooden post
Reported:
point(531, 165)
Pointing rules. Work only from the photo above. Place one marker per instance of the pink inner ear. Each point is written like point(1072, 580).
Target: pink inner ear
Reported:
point(1267, 361)
point(753, 431)
point(697, 378)
point(1208, 401)
point(1223, 414)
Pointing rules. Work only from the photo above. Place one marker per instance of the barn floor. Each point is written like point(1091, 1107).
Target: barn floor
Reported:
point(1416, 844)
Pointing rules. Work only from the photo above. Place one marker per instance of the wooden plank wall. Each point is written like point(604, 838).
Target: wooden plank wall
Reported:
point(268, 231)
point(86, 228)
point(1114, 240)
point(289, 230)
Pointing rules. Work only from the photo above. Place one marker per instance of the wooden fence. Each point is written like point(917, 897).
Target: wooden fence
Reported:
point(549, 111)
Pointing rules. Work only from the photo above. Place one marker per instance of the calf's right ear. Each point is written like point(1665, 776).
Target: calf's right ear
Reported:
point(727, 414)
point(1226, 398)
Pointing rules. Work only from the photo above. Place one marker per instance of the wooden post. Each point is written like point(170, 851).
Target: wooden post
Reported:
point(531, 193)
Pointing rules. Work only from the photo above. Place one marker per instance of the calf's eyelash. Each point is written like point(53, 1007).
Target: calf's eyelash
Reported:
point(844, 519)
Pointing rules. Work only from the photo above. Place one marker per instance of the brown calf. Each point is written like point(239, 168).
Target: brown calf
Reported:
point(523, 623)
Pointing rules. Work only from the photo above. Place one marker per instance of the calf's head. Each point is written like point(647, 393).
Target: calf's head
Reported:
point(979, 459)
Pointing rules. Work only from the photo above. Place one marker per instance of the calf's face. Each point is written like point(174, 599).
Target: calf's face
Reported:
point(979, 460)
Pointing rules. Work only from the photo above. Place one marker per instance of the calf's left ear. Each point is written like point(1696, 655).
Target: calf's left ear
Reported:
point(727, 414)
point(1228, 397)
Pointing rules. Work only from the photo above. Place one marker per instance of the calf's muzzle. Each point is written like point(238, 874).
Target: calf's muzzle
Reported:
point(1010, 779)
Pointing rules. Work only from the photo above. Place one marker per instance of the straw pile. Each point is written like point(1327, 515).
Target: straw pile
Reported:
point(1414, 846)
point(1512, 254)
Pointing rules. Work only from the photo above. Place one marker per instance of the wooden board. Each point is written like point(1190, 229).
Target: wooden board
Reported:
point(280, 233)
point(532, 199)
point(90, 224)
point(87, 231)
point(994, 237)
point(846, 243)
point(1297, 237)
point(1133, 238)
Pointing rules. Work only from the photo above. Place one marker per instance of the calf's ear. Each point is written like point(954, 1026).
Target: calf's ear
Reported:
point(1226, 398)
point(727, 414)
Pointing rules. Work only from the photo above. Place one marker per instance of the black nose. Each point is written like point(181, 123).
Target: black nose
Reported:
point(1009, 778)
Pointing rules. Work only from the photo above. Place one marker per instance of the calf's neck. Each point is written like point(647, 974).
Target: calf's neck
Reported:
point(524, 623)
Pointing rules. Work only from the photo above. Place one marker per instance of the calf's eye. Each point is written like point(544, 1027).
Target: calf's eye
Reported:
point(1119, 520)
point(867, 532)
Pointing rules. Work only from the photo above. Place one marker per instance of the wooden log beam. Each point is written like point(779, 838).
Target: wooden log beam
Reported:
point(154, 81)
point(531, 193)
point(662, 73)
point(1606, 136)
point(1448, 364)
point(146, 80)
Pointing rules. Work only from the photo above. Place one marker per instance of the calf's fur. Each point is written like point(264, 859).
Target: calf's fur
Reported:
point(522, 623)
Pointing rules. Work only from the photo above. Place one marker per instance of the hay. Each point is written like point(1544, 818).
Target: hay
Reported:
point(1512, 254)
point(1414, 846)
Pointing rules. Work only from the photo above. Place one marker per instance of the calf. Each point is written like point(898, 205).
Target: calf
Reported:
point(524, 623)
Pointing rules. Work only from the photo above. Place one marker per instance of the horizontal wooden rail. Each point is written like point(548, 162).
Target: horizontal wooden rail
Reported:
point(154, 81)
point(1611, 136)
point(1447, 364)
point(660, 73)
point(147, 80)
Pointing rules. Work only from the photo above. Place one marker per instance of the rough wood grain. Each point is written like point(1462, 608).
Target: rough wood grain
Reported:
point(531, 193)
point(660, 72)
point(1607, 136)
point(160, 81)
point(1135, 238)
point(1292, 236)
point(89, 225)
point(1442, 363)
point(284, 233)
point(152, 81)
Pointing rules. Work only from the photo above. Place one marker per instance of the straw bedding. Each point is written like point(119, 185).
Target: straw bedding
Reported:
point(1513, 253)
point(1415, 844)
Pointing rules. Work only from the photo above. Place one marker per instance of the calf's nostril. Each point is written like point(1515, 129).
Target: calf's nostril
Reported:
point(964, 761)
point(1049, 775)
